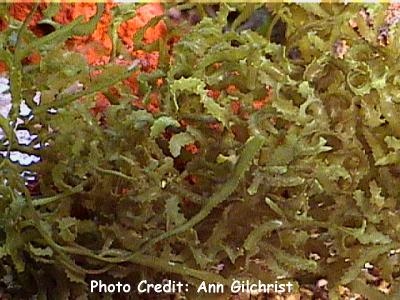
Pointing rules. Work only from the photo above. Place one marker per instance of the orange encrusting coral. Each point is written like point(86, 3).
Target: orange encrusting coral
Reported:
point(3, 26)
point(3, 67)
point(213, 94)
point(21, 10)
point(192, 148)
point(235, 107)
point(231, 89)
point(260, 103)
point(154, 104)
point(102, 103)
point(97, 46)
point(100, 37)
point(143, 15)
point(148, 60)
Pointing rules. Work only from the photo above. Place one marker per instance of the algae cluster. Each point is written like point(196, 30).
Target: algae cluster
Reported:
point(273, 152)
